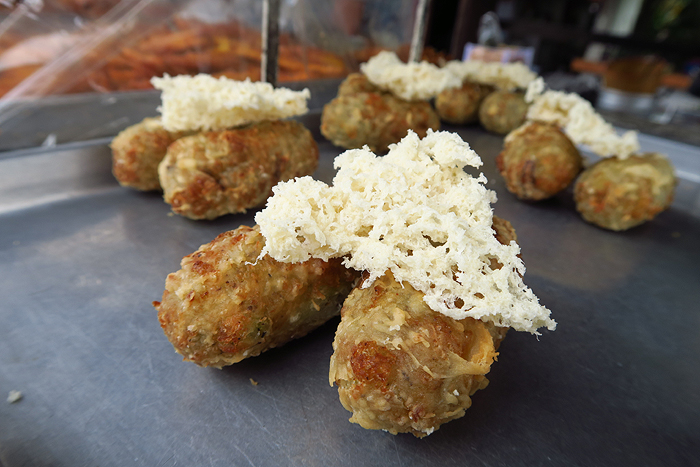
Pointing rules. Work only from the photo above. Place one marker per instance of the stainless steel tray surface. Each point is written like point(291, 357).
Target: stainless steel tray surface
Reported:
point(62, 119)
point(617, 384)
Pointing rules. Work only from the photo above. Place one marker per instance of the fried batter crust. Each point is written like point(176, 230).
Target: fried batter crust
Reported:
point(224, 305)
point(539, 162)
point(356, 82)
point(210, 174)
point(402, 367)
point(618, 194)
point(460, 106)
point(361, 116)
point(502, 111)
point(137, 151)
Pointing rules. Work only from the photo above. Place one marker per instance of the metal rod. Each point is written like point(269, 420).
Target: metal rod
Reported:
point(418, 32)
point(270, 41)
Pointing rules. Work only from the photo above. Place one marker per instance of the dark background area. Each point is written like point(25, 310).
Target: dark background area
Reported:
point(561, 30)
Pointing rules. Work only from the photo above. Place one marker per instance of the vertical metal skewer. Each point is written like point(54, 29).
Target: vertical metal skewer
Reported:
point(270, 41)
point(418, 32)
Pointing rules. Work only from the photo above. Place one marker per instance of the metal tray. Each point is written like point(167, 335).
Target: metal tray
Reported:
point(62, 119)
point(82, 259)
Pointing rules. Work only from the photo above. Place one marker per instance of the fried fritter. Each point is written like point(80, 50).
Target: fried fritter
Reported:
point(356, 82)
point(502, 111)
point(538, 162)
point(225, 305)
point(373, 118)
point(460, 106)
point(405, 368)
point(210, 174)
point(618, 194)
point(137, 151)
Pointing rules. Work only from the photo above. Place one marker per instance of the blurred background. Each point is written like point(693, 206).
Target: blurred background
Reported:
point(73, 70)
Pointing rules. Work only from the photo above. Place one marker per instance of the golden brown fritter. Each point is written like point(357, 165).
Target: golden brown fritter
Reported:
point(618, 194)
point(373, 118)
point(210, 174)
point(225, 305)
point(356, 82)
point(504, 231)
point(137, 151)
point(502, 111)
point(539, 162)
point(405, 368)
point(460, 106)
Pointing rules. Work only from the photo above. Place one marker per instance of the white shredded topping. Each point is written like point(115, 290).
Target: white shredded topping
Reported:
point(14, 396)
point(408, 81)
point(506, 76)
point(417, 213)
point(203, 102)
point(579, 120)
point(534, 89)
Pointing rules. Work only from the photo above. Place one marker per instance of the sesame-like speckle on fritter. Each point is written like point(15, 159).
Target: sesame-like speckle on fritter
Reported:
point(210, 174)
point(137, 151)
point(225, 304)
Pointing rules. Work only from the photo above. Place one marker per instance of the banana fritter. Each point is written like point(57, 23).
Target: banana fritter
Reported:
point(538, 162)
point(225, 305)
point(210, 174)
point(403, 367)
point(356, 82)
point(460, 106)
point(503, 111)
point(618, 194)
point(137, 151)
point(362, 114)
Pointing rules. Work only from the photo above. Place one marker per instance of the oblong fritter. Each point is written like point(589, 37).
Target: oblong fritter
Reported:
point(225, 305)
point(618, 194)
point(404, 368)
point(358, 117)
point(210, 174)
point(539, 162)
point(503, 111)
point(460, 106)
point(356, 82)
point(137, 151)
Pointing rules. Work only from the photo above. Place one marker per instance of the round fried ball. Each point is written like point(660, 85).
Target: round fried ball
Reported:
point(618, 194)
point(502, 111)
point(460, 106)
point(402, 367)
point(538, 162)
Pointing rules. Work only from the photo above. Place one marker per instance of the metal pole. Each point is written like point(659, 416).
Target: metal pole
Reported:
point(270, 41)
point(418, 32)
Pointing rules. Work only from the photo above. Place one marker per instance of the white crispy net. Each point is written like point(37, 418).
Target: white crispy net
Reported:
point(506, 76)
point(579, 120)
point(409, 81)
point(417, 213)
point(203, 102)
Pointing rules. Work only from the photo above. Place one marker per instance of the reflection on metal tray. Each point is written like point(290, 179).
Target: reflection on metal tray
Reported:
point(615, 384)
point(81, 117)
